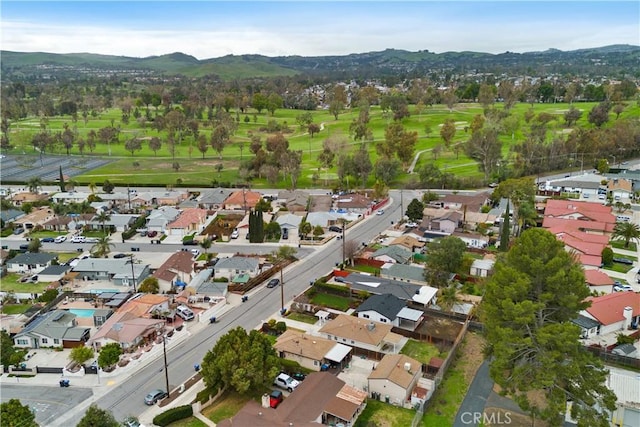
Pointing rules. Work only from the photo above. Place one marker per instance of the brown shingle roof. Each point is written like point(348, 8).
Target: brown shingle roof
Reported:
point(353, 328)
point(300, 344)
point(392, 368)
point(179, 262)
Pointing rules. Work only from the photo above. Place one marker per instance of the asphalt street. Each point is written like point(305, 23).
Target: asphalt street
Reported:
point(126, 397)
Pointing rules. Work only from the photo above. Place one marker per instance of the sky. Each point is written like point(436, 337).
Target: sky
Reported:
point(211, 29)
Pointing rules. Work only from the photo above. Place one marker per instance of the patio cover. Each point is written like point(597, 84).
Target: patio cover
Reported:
point(337, 353)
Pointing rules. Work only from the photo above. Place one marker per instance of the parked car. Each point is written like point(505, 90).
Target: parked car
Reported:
point(273, 283)
point(120, 256)
point(190, 243)
point(131, 422)
point(335, 228)
point(411, 225)
point(60, 239)
point(195, 252)
point(380, 212)
point(154, 396)
point(285, 233)
point(275, 398)
point(298, 376)
point(620, 287)
point(78, 239)
point(18, 230)
point(623, 261)
point(235, 234)
point(286, 382)
point(47, 240)
point(152, 233)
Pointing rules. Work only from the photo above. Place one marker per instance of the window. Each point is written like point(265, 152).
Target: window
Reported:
point(56, 341)
point(366, 316)
point(383, 320)
point(22, 341)
point(352, 342)
point(315, 363)
point(45, 341)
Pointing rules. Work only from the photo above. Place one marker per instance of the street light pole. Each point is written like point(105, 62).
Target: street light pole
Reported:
point(166, 370)
point(133, 274)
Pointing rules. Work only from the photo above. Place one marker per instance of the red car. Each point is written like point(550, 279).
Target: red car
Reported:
point(275, 398)
point(152, 233)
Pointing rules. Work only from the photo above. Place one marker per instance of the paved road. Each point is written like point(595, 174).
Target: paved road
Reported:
point(47, 402)
point(126, 398)
point(476, 398)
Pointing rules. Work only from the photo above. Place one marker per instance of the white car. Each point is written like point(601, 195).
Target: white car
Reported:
point(235, 234)
point(60, 239)
point(78, 239)
point(380, 212)
point(286, 382)
point(411, 225)
point(620, 287)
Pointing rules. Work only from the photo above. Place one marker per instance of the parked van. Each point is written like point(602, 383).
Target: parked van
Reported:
point(185, 312)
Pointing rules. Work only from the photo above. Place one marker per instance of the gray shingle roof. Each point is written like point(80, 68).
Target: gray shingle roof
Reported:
point(32, 258)
point(236, 263)
point(585, 322)
point(386, 304)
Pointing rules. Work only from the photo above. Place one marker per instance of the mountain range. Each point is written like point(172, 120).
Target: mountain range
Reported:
point(604, 60)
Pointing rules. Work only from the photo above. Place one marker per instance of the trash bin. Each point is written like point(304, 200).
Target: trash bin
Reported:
point(212, 319)
point(64, 383)
point(196, 367)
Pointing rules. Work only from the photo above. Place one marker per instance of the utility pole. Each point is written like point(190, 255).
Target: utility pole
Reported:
point(133, 274)
point(344, 226)
point(166, 371)
point(401, 206)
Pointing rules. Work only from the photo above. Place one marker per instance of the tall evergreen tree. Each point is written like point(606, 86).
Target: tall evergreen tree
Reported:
point(63, 186)
point(505, 233)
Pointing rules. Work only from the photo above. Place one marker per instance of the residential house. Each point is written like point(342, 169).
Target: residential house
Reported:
point(586, 185)
point(403, 272)
point(394, 378)
point(582, 211)
point(392, 254)
point(472, 240)
point(363, 335)
point(213, 199)
point(230, 267)
point(10, 215)
point(354, 202)
point(157, 198)
point(323, 219)
point(382, 308)
point(120, 272)
point(147, 305)
point(242, 200)
point(381, 285)
point(128, 330)
point(30, 262)
point(116, 222)
point(118, 200)
point(36, 217)
point(158, 219)
point(620, 190)
point(177, 268)
point(58, 223)
point(190, 220)
point(614, 312)
point(599, 282)
point(469, 219)
point(408, 242)
point(19, 199)
point(482, 267)
point(443, 225)
point(295, 201)
point(321, 399)
point(53, 273)
point(310, 351)
point(320, 203)
point(289, 221)
point(70, 197)
point(57, 328)
point(461, 202)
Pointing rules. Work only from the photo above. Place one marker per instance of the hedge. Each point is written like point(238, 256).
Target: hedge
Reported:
point(333, 289)
point(173, 415)
point(203, 396)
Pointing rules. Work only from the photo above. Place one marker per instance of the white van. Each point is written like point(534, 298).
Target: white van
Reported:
point(185, 312)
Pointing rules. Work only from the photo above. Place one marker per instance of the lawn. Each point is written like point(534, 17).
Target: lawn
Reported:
point(10, 283)
point(617, 267)
point(188, 422)
point(447, 399)
point(331, 301)
point(66, 256)
point(421, 351)
point(15, 308)
point(619, 244)
point(300, 317)
point(228, 405)
point(365, 269)
point(382, 414)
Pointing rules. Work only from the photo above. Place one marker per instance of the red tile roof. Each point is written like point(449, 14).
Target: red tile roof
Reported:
point(240, 197)
point(188, 217)
point(582, 210)
point(607, 309)
point(577, 224)
point(597, 278)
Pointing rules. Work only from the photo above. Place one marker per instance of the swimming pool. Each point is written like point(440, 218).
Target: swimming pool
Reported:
point(101, 291)
point(82, 312)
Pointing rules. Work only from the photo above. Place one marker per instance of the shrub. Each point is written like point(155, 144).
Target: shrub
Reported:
point(173, 415)
point(203, 396)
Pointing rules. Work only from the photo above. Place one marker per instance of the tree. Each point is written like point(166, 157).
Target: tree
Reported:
point(317, 231)
point(256, 227)
point(572, 115)
point(34, 185)
point(448, 132)
point(102, 217)
point(351, 248)
point(607, 256)
point(313, 128)
point(241, 361)
point(7, 351)
point(63, 187)
point(14, 414)
point(274, 101)
point(272, 231)
point(415, 210)
point(485, 148)
point(155, 144)
point(444, 256)
point(305, 228)
point(35, 245)
point(102, 247)
point(220, 137)
point(149, 285)
point(537, 289)
point(626, 231)
point(599, 114)
point(206, 244)
point(97, 417)
point(81, 354)
point(107, 186)
point(109, 355)
point(132, 145)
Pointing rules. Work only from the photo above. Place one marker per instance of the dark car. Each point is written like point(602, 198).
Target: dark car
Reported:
point(152, 233)
point(47, 240)
point(335, 228)
point(623, 261)
point(298, 376)
point(190, 243)
point(154, 396)
point(273, 283)
point(120, 256)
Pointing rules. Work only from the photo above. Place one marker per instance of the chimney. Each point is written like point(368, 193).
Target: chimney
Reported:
point(371, 326)
point(628, 314)
point(407, 366)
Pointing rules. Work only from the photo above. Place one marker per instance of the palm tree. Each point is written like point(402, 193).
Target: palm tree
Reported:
point(102, 217)
point(34, 184)
point(205, 244)
point(92, 187)
point(102, 247)
point(448, 297)
point(626, 231)
point(305, 228)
